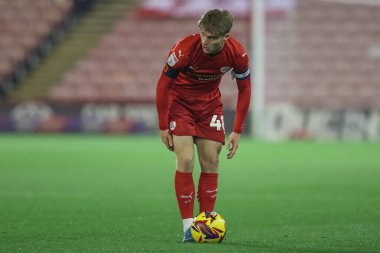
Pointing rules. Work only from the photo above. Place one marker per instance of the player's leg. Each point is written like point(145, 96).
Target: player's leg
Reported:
point(184, 150)
point(208, 154)
point(210, 138)
point(182, 127)
point(184, 184)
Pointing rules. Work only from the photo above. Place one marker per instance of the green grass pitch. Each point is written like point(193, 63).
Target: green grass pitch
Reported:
point(74, 193)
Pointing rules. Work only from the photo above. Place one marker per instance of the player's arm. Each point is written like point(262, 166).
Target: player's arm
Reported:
point(244, 97)
point(174, 64)
point(166, 80)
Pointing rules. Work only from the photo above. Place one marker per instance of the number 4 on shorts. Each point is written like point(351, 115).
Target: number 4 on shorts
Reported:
point(215, 122)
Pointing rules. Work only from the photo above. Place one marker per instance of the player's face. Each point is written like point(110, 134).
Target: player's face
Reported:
point(212, 44)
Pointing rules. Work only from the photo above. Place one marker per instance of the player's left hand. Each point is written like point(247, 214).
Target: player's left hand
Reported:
point(232, 144)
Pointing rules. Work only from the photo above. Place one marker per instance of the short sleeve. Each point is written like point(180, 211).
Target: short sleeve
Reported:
point(177, 60)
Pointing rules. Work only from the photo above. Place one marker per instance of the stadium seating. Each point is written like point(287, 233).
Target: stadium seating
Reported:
point(317, 55)
point(127, 64)
point(24, 25)
point(332, 64)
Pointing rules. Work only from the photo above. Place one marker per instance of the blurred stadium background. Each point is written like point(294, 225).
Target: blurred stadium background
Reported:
point(92, 65)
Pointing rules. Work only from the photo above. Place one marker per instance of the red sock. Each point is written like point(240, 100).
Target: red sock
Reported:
point(184, 188)
point(207, 191)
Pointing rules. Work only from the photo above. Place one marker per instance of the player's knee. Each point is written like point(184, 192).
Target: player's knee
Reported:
point(185, 164)
point(210, 164)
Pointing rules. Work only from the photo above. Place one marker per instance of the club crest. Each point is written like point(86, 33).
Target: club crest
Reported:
point(172, 125)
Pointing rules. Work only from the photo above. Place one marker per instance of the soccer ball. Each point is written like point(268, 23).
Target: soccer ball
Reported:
point(208, 227)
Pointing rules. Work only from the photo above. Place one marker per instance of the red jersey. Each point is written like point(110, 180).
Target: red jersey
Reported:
point(194, 77)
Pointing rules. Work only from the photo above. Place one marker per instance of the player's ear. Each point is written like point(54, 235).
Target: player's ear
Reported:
point(226, 36)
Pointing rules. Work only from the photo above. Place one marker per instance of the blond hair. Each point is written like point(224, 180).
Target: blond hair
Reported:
point(216, 21)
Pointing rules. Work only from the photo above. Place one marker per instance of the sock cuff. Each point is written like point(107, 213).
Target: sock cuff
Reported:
point(184, 173)
point(183, 177)
point(210, 179)
point(209, 175)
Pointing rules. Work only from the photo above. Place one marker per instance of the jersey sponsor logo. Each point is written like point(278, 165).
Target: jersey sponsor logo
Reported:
point(202, 76)
point(172, 59)
point(224, 69)
point(172, 125)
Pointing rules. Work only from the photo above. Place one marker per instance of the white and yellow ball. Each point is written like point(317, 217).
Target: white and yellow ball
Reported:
point(209, 227)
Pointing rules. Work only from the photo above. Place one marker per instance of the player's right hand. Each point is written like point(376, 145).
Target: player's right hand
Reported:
point(167, 139)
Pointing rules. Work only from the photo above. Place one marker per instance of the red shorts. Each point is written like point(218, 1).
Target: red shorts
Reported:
point(206, 124)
